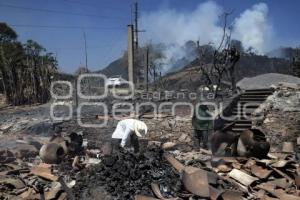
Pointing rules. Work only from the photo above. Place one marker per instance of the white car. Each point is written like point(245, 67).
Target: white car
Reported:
point(115, 81)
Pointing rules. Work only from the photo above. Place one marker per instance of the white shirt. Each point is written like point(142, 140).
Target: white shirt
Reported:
point(124, 129)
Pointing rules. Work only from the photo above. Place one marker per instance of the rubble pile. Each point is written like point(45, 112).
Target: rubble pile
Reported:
point(276, 177)
point(262, 179)
point(125, 175)
point(74, 166)
point(19, 180)
point(281, 116)
point(24, 175)
point(168, 129)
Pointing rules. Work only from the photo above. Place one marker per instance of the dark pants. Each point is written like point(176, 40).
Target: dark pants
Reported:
point(201, 136)
point(134, 141)
point(115, 144)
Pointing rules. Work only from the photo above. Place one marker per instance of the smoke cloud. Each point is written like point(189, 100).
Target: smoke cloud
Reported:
point(175, 28)
point(253, 29)
point(169, 26)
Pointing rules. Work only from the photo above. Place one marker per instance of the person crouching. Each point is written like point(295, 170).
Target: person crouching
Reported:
point(127, 132)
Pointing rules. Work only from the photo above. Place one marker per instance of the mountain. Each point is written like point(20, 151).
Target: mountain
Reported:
point(249, 65)
point(178, 64)
point(182, 68)
point(284, 52)
point(117, 67)
point(172, 57)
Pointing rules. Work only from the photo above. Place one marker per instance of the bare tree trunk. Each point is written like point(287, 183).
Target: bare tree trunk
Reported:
point(5, 76)
point(232, 76)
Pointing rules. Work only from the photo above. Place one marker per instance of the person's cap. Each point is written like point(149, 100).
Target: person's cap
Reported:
point(140, 128)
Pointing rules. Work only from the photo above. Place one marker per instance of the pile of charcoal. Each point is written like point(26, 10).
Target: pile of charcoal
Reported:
point(125, 175)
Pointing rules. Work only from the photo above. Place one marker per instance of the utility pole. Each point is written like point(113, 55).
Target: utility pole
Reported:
point(136, 24)
point(130, 54)
point(134, 69)
point(198, 49)
point(147, 69)
point(85, 49)
point(137, 64)
point(136, 46)
point(154, 75)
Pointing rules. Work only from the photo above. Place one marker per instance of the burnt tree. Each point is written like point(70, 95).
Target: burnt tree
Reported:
point(224, 59)
point(26, 70)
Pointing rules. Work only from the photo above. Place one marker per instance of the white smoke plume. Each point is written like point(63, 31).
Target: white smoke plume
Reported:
point(175, 28)
point(253, 29)
point(169, 26)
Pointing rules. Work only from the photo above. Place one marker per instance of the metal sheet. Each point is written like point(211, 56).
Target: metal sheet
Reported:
point(242, 177)
point(15, 182)
point(281, 194)
point(281, 182)
point(260, 171)
point(195, 180)
point(232, 195)
point(280, 163)
point(215, 193)
point(175, 163)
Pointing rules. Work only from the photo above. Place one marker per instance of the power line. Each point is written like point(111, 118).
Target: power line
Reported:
point(91, 5)
point(80, 48)
point(65, 27)
point(80, 3)
point(59, 12)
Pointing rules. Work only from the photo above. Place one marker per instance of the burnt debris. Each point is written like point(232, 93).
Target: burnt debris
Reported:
point(125, 175)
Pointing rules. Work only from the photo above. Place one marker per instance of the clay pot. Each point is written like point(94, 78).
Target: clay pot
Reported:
point(52, 153)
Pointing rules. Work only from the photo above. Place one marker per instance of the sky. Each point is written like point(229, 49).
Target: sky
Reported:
point(59, 25)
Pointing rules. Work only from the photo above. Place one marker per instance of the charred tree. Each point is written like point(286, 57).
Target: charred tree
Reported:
point(224, 60)
point(26, 70)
